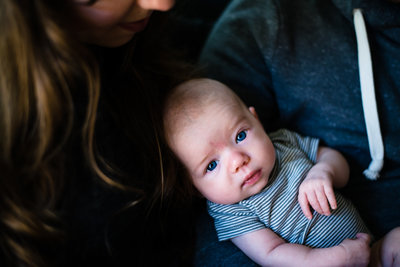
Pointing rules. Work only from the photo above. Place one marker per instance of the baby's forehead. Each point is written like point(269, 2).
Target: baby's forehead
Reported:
point(196, 98)
point(205, 93)
point(214, 105)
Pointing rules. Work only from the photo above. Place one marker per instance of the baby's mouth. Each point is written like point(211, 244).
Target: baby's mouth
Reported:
point(252, 178)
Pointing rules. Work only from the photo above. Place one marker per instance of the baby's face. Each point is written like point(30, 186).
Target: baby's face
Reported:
point(227, 153)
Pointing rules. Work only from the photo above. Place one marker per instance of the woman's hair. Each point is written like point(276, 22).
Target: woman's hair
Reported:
point(44, 72)
point(40, 66)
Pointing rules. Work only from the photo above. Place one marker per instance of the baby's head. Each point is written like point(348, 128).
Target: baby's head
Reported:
point(220, 141)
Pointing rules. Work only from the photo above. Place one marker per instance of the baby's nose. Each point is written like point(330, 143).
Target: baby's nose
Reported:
point(238, 160)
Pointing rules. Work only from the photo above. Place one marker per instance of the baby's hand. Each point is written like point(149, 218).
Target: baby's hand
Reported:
point(357, 250)
point(317, 190)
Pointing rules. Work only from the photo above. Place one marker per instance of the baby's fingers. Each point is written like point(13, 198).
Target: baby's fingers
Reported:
point(304, 204)
point(323, 203)
point(330, 194)
point(313, 199)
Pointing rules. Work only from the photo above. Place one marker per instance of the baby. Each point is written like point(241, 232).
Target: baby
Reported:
point(272, 196)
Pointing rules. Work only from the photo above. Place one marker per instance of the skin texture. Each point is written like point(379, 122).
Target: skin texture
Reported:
point(112, 23)
point(230, 157)
point(331, 171)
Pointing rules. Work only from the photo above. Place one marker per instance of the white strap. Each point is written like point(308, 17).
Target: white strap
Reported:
point(368, 98)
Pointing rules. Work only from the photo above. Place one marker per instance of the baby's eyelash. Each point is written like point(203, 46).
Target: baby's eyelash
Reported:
point(212, 165)
point(241, 136)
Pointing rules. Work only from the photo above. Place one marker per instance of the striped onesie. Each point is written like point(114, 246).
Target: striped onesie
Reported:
point(276, 207)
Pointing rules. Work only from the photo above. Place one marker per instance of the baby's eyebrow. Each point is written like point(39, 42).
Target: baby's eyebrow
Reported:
point(236, 122)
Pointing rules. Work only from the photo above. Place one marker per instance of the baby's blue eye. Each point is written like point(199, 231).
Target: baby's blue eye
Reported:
point(212, 165)
point(241, 136)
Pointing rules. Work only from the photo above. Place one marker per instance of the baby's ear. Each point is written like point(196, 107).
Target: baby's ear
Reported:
point(253, 111)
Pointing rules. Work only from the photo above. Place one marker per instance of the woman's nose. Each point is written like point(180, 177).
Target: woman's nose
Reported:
point(238, 160)
point(161, 5)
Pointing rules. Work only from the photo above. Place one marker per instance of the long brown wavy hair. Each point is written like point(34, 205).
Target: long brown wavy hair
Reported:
point(41, 67)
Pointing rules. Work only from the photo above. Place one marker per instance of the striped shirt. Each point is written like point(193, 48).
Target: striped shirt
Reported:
point(276, 207)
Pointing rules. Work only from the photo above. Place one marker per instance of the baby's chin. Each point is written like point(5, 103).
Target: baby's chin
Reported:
point(255, 189)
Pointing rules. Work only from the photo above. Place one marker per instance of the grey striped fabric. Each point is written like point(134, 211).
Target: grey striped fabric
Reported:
point(277, 208)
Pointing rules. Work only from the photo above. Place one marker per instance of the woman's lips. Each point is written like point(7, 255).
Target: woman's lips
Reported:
point(252, 178)
point(136, 26)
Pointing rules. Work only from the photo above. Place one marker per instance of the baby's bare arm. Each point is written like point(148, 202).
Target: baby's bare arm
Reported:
point(268, 249)
point(334, 163)
point(331, 170)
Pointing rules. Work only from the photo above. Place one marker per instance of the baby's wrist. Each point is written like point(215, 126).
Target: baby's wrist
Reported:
point(323, 170)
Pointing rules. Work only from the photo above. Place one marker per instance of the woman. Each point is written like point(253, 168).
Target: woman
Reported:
point(81, 163)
